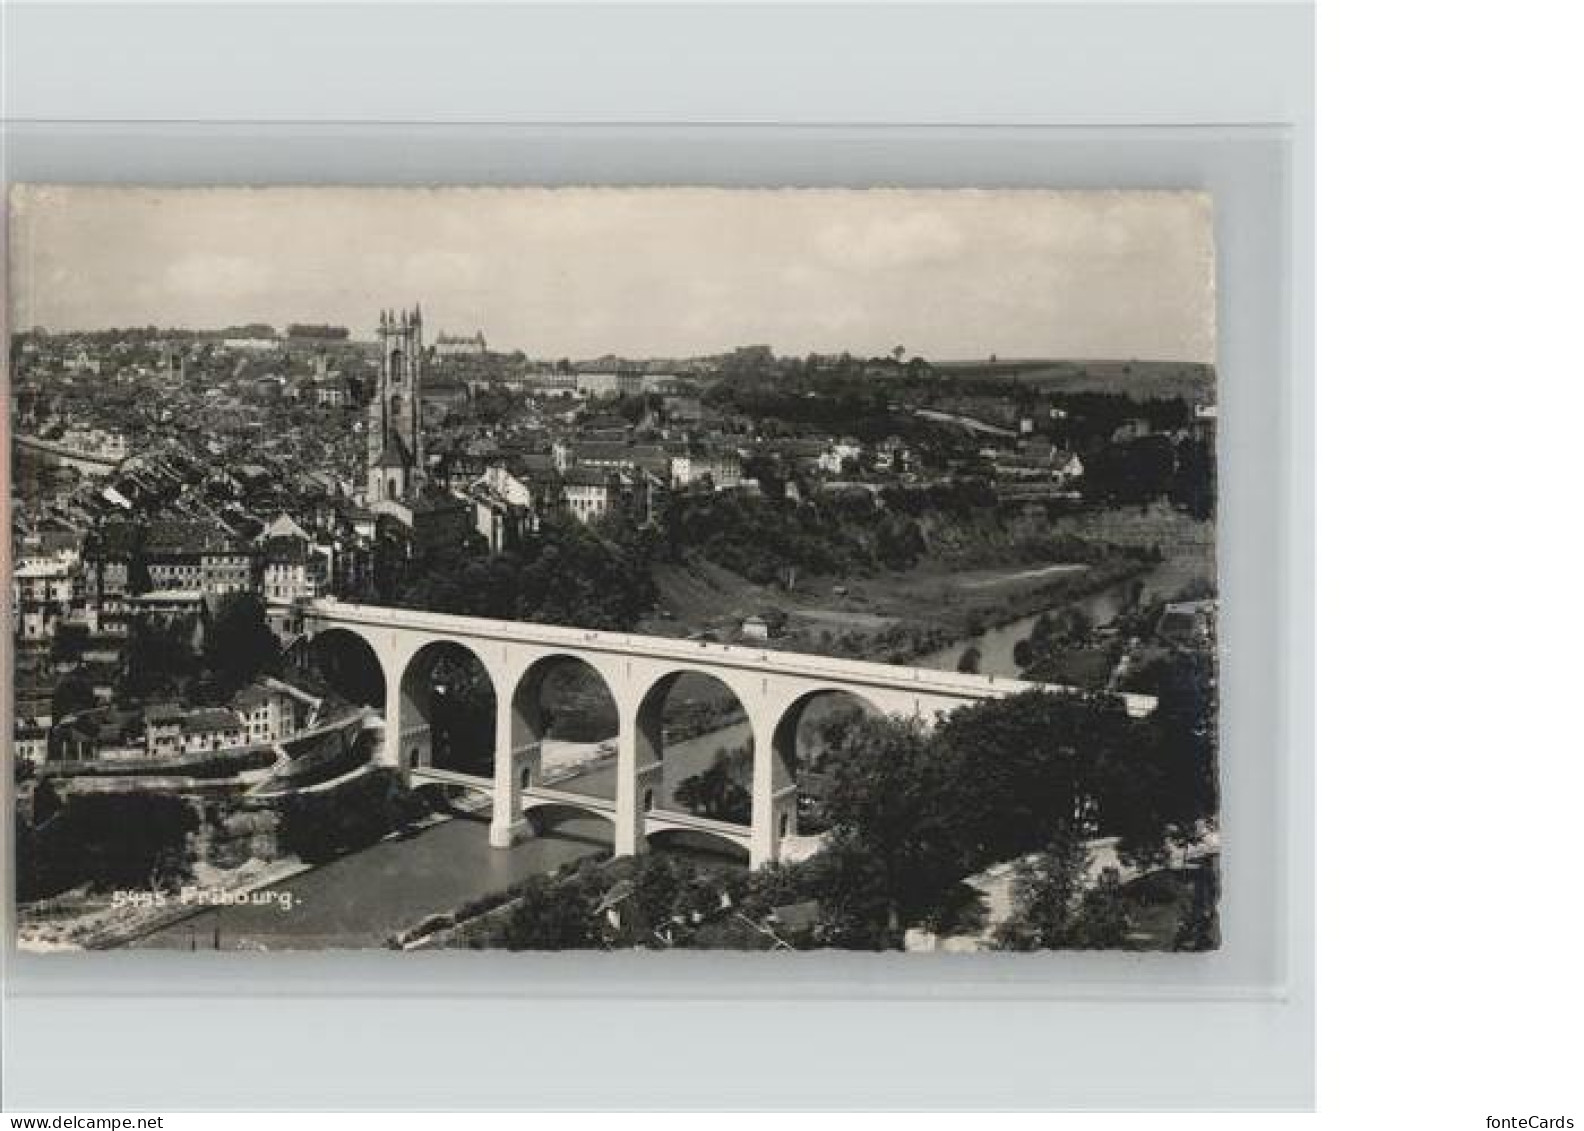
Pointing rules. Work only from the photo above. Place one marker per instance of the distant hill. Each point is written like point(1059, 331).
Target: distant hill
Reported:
point(1146, 380)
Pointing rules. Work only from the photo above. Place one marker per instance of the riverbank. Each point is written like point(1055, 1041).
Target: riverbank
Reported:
point(908, 616)
point(82, 920)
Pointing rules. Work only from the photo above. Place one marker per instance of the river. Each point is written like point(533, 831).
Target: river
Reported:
point(363, 899)
point(996, 644)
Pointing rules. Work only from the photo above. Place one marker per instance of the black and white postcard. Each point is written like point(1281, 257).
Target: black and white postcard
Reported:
point(613, 569)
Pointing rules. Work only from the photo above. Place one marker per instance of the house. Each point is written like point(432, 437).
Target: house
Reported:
point(30, 743)
point(101, 732)
point(448, 345)
point(682, 409)
point(196, 555)
point(893, 454)
point(251, 344)
point(588, 493)
point(836, 454)
point(331, 392)
point(611, 455)
point(723, 469)
point(162, 730)
point(82, 363)
point(292, 570)
point(609, 384)
point(767, 624)
point(41, 583)
point(1187, 624)
point(169, 605)
point(282, 525)
point(271, 710)
point(211, 728)
point(666, 384)
point(503, 508)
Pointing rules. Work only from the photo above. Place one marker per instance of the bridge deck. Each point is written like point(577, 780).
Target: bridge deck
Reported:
point(330, 612)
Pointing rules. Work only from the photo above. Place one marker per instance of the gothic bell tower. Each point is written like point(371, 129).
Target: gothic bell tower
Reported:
point(395, 424)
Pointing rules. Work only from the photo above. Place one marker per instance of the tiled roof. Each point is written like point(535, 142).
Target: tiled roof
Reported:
point(211, 719)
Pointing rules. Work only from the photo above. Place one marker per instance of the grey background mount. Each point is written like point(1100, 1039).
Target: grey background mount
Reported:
point(1102, 95)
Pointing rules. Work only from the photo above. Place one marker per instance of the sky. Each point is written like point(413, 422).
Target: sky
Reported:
point(580, 273)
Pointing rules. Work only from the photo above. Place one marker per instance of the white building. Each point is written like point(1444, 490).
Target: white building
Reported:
point(271, 710)
point(835, 456)
point(449, 345)
point(211, 728)
point(503, 507)
point(292, 571)
point(596, 385)
point(723, 469)
point(95, 442)
point(588, 494)
point(42, 592)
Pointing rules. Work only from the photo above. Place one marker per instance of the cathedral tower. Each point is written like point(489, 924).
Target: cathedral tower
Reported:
point(395, 424)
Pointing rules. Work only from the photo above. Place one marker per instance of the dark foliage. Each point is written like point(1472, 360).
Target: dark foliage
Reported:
point(567, 574)
point(107, 840)
point(321, 826)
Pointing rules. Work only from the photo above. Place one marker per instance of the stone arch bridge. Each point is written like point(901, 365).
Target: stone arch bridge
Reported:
point(771, 686)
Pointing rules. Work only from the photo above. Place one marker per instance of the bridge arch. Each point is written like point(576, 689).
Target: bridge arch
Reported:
point(804, 732)
point(705, 842)
point(563, 699)
point(695, 748)
point(348, 665)
point(447, 710)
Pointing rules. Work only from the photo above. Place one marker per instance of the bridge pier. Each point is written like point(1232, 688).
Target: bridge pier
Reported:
point(391, 748)
point(629, 832)
point(507, 823)
point(774, 804)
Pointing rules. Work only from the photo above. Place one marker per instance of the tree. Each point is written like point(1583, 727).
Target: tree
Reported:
point(553, 914)
point(969, 661)
point(1199, 928)
point(718, 792)
point(857, 906)
point(1020, 771)
point(238, 644)
point(69, 643)
point(139, 579)
point(1045, 892)
point(74, 692)
point(158, 657)
point(1193, 482)
point(889, 802)
point(321, 826)
point(1052, 910)
point(112, 840)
